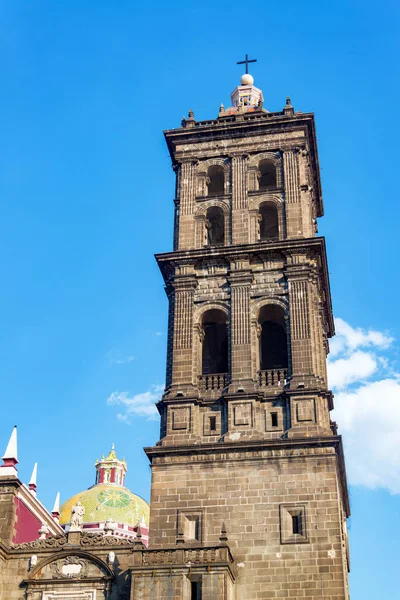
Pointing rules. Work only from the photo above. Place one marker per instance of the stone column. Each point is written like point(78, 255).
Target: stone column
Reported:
point(182, 346)
point(240, 217)
point(187, 204)
point(294, 224)
point(240, 283)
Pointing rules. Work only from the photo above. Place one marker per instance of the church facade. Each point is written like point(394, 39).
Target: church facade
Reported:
point(249, 495)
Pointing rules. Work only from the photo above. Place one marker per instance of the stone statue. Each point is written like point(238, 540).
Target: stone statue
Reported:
point(78, 510)
point(110, 526)
point(43, 531)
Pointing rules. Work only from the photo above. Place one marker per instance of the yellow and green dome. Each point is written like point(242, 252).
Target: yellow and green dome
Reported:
point(108, 498)
point(107, 501)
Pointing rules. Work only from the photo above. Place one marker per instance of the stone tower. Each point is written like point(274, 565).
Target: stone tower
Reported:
point(249, 495)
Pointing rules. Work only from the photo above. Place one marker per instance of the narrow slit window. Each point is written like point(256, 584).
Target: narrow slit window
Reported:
point(274, 419)
point(296, 524)
point(196, 590)
point(213, 423)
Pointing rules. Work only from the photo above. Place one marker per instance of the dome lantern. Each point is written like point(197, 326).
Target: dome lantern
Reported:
point(110, 469)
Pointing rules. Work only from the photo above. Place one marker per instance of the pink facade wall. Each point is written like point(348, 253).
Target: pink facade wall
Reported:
point(27, 524)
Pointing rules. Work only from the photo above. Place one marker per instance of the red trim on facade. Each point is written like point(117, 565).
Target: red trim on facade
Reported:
point(9, 462)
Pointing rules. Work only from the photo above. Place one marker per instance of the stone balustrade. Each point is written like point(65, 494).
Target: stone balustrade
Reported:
point(189, 557)
point(272, 377)
point(213, 382)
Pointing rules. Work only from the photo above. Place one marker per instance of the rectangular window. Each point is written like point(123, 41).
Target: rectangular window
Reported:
point(189, 526)
point(296, 524)
point(293, 524)
point(213, 423)
point(196, 590)
point(274, 419)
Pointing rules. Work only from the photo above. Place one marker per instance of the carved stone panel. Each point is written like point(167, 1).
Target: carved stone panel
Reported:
point(305, 410)
point(180, 418)
point(243, 414)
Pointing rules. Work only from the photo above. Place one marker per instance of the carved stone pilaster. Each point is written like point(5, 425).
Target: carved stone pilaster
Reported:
point(240, 283)
point(299, 309)
point(187, 187)
point(239, 192)
point(183, 318)
point(302, 346)
point(183, 330)
point(291, 176)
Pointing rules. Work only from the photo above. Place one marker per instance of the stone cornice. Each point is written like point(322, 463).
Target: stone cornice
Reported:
point(283, 248)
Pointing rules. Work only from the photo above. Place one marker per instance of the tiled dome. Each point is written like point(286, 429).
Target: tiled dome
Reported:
point(107, 501)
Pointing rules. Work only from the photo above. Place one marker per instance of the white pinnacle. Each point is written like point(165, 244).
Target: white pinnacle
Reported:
point(32, 480)
point(56, 507)
point(11, 450)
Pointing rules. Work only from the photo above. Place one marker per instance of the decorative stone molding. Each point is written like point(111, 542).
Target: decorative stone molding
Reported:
point(57, 541)
point(98, 539)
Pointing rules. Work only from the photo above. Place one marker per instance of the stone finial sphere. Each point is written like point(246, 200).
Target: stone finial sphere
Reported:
point(246, 79)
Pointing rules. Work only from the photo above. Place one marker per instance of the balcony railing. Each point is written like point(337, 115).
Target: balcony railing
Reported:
point(213, 382)
point(272, 377)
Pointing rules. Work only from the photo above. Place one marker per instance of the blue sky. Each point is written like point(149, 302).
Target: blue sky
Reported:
point(86, 200)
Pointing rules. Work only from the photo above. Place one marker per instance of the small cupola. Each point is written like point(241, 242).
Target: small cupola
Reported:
point(111, 469)
point(247, 94)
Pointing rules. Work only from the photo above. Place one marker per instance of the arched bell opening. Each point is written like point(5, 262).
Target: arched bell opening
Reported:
point(269, 221)
point(266, 175)
point(215, 342)
point(216, 180)
point(273, 345)
point(215, 224)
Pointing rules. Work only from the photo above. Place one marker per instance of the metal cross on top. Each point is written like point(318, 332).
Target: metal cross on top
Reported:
point(246, 62)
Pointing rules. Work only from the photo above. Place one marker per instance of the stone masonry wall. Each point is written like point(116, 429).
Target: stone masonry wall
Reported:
point(252, 497)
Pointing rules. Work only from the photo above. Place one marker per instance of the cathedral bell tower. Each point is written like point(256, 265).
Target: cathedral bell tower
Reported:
point(248, 460)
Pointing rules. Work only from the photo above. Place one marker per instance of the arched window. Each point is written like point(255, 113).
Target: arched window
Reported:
point(268, 216)
point(266, 175)
point(216, 180)
point(215, 342)
point(215, 224)
point(273, 341)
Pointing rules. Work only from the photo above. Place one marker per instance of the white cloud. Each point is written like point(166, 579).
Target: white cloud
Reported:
point(344, 371)
point(369, 418)
point(348, 339)
point(140, 405)
point(367, 405)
